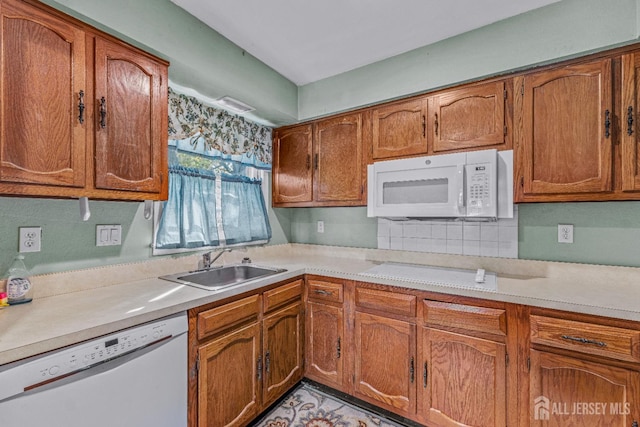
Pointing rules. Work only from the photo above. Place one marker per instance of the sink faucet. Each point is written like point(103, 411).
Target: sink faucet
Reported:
point(207, 262)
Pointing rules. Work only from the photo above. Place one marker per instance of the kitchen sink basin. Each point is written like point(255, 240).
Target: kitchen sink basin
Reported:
point(216, 278)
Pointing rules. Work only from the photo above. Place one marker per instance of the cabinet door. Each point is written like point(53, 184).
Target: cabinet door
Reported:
point(566, 139)
point(43, 81)
point(325, 331)
point(571, 392)
point(385, 362)
point(400, 129)
point(131, 130)
point(292, 172)
point(630, 117)
point(469, 118)
point(463, 380)
point(283, 363)
point(338, 160)
point(229, 392)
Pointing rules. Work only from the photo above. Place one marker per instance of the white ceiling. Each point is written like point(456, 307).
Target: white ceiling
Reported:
point(306, 40)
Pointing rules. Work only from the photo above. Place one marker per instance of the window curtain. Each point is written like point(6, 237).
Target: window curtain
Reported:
point(213, 201)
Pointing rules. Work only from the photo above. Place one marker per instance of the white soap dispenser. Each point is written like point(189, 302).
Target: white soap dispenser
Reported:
point(19, 289)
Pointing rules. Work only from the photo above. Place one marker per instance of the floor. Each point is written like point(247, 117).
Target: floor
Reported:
point(306, 406)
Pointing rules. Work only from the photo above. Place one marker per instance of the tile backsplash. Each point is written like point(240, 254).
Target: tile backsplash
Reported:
point(494, 239)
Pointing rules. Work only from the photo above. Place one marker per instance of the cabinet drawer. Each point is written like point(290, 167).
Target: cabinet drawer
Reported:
point(220, 318)
point(388, 302)
point(281, 295)
point(326, 291)
point(590, 338)
point(481, 319)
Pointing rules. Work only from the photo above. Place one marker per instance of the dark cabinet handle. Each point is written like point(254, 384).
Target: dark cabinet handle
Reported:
point(267, 361)
point(412, 370)
point(81, 107)
point(103, 113)
point(425, 375)
point(630, 121)
point(259, 368)
point(315, 162)
point(424, 126)
point(338, 349)
point(435, 125)
point(308, 161)
point(607, 124)
point(634, 423)
point(584, 340)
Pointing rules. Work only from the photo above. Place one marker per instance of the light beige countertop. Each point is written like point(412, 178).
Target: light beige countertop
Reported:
point(75, 306)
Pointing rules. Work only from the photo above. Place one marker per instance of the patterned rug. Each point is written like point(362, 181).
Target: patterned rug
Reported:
point(307, 407)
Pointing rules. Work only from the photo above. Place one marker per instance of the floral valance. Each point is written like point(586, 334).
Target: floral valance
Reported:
point(217, 133)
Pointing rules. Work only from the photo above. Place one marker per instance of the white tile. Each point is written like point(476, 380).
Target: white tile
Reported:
point(424, 230)
point(396, 243)
point(410, 244)
point(510, 222)
point(409, 229)
point(425, 245)
point(508, 249)
point(383, 242)
point(488, 232)
point(507, 234)
point(383, 227)
point(488, 248)
point(454, 247)
point(395, 229)
point(471, 247)
point(471, 231)
point(439, 246)
point(439, 231)
point(454, 231)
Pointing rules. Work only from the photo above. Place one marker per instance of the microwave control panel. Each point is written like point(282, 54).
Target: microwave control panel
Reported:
point(480, 180)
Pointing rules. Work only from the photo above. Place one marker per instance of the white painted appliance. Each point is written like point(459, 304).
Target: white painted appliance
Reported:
point(133, 378)
point(473, 185)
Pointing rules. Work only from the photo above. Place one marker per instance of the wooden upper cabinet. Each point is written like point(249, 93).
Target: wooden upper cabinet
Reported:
point(468, 118)
point(565, 143)
point(43, 140)
point(338, 160)
point(131, 99)
point(292, 172)
point(630, 117)
point(400, 129)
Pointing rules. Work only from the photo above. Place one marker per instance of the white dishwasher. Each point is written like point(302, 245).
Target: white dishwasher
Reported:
point(132, 378)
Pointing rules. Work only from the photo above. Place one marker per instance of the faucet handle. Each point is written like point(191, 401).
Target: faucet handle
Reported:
point(206, 260)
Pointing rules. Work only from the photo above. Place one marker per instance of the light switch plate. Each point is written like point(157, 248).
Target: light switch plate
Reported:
point(320, 226)
point(108, 235)
point(565, 233)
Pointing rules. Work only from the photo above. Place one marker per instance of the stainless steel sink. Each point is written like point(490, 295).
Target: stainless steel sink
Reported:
point(217, 278)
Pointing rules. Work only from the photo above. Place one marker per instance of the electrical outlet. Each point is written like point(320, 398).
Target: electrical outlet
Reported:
point(565, 233)
point(320, 226)
point(30, 239)
point(108, 235)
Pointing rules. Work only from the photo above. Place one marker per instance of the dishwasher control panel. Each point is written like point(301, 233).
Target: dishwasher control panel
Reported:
point(40, 370)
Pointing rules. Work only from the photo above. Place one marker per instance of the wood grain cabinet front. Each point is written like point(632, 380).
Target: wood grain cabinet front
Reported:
point(83, 114)
point(320, 164)
point(399, 129)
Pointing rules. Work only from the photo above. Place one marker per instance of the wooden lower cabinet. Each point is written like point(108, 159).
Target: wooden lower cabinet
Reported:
point(325, 360)
point(385, 362)
point(283, 333)
point(463, 380)
point(229, 386)
point(245, 355)
point(568, 391)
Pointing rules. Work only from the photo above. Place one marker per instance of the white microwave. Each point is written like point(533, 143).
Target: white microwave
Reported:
point(474, 185)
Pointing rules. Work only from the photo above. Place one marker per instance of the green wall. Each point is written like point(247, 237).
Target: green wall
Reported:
point(207, 62)
point(559, 30)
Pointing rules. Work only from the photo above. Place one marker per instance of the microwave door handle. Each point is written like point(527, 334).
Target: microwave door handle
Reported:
point(460, 187)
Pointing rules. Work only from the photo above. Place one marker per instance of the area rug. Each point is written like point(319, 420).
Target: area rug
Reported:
point(308, 407)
